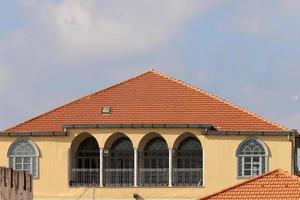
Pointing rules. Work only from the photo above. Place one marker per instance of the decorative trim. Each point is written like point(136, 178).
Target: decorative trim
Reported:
point(37, 152)
point(259, 141)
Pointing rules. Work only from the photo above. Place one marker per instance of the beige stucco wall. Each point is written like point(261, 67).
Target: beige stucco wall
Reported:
point(219, 163)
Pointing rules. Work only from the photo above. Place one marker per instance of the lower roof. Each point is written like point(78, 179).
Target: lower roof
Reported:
point(277, 184)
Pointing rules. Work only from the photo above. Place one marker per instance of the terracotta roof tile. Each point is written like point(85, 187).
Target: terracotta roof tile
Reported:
point(277, 184)
point(150, 98)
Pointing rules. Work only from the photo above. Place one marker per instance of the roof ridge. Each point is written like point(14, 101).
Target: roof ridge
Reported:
point(243, 183)
point(78, 99)
point(219, 99)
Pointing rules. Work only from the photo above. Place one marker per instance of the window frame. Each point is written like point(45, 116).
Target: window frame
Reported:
point(186, 156)
point(154, 156)
point(33, 165)
point(251, 156)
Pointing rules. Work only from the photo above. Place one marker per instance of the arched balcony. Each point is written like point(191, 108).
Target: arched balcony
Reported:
point(85, 163)
point(154, 163)
point(119, 163)
point(188, 163)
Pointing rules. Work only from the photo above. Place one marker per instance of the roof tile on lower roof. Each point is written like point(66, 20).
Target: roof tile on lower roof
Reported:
point(150, 98)
point(277, 184)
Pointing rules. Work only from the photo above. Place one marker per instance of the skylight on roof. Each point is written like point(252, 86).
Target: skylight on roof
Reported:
point(105, 110)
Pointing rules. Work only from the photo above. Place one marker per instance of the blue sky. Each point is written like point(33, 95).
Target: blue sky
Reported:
point(247, 52)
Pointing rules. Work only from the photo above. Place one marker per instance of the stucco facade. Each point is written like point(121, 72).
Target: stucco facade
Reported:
point(219, 162)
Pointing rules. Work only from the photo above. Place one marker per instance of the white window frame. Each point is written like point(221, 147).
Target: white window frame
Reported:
point(260, 163)
point(251, 156)
point(12, 158)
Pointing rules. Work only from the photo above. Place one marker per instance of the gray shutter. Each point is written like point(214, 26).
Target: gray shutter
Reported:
point(240, 166)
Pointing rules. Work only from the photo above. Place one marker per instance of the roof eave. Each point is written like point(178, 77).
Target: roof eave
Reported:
point(33, 133)
point(208, 130)
point(251, 132)
point(138, 125)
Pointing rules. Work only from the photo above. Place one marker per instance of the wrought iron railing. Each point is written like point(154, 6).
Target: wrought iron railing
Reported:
point(187, 177)
point(154, 176)
point(84, 177)
point(147, 177)
point(118, 177)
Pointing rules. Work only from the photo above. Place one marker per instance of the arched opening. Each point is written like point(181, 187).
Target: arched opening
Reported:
point(154, 163)
point(252, 158)
point(119, 163)
point(87, 155)
point(188, 163)
point(85, 163)
point(23, 155)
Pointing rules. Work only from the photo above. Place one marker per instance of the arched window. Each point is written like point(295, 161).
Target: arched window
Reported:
point(188, 163)
point(155, 163)
point(119, 163)
point(23, 155)
point(87, 162)
point(252, 156)
point(88, 154)
point(121, 154)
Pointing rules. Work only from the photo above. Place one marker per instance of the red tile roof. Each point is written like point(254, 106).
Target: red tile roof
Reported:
point(277, 184)
point(150, 98)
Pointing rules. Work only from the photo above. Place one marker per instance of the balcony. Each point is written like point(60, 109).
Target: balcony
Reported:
point(154, 177)
point(187, 177)
point(147, 177)
point(118, 177)
point(84, 177)
point(121, 165)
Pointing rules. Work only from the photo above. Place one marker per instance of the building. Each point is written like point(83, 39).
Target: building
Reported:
point(151, 136)
point(277, 184)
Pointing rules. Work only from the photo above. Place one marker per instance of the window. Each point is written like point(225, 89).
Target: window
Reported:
point(252, 158)
point(23, 155)
point(119, 163)
point(84, 161)
point(105, 110)
point(154, 166)
point(88, 154)
point(188, 164)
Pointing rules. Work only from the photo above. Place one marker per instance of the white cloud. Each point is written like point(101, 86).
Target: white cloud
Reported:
point(74, 33)
point(76, 29)
point(296, 98)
